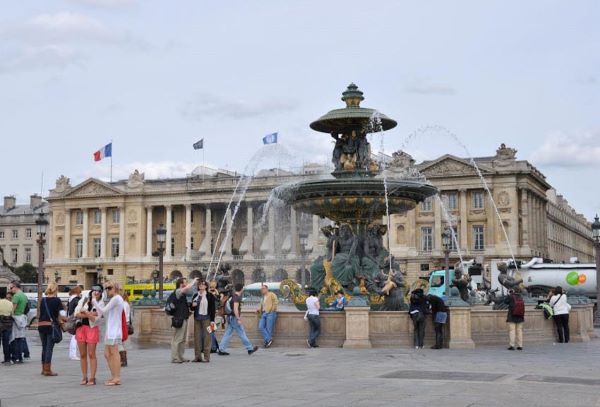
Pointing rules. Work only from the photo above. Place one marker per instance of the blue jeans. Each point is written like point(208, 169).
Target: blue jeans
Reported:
point(233, 325)
point(26, 354)
point(314, 322)
point(47, 343)
point(266, 324)
point(16, 349)
point(214, 345)
point(5, 338)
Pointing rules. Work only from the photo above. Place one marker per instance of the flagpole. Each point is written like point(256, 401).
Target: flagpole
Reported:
point(203, 162)
point(111, 163)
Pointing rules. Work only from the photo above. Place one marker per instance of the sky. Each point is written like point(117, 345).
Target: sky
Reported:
point(154, 77)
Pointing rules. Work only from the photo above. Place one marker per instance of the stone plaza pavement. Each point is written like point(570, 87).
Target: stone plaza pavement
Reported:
point(547, 375)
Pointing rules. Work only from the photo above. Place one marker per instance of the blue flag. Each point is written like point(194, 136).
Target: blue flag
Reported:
point(270, 138)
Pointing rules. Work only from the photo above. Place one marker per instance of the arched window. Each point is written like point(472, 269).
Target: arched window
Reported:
point(259, 276)
point(175, 274)
point(400, 235)
point(280, 275)
point(303, 277)
point(237, 276)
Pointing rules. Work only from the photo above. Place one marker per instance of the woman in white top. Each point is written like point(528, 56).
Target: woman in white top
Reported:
point(558, 301)
point(313, 306)
point(112, 312)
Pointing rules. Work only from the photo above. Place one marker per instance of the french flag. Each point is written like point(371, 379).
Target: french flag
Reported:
point(105, 151)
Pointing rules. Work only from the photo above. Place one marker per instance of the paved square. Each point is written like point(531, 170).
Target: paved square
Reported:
point(548, 375)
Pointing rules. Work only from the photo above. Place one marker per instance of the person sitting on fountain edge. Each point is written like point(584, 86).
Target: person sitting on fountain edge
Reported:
point(339, 302)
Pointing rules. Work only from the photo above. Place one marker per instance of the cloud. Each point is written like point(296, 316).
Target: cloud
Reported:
point(421, 87)
point(207, 106)
point(151, 169)
point(42, 57)
point(562, 149)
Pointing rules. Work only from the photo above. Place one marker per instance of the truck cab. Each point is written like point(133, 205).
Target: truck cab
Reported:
point(437, 283)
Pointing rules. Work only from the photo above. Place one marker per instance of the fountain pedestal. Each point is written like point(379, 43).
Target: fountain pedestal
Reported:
point(460, 328)
point(357, 328)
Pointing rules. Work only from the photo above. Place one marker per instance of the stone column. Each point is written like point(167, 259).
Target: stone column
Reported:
point(121, 232)
point(103, 233)
point(492, 222)
point(169, 225)
point(294, 233)
point(357, 328)
point(410, 231)
point(205, 246)
point(250, 232)
point(271, 235)
point(228, 232)
point(67, 236)
point(149, 231)
point(460, 328)
point(437, 226)
point(84, 251)
point(464, 223)
point(188, 230)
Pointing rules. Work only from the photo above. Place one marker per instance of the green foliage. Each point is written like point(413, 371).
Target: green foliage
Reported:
point(27, 273)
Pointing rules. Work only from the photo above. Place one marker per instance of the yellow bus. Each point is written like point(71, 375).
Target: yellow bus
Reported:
point(136, 291)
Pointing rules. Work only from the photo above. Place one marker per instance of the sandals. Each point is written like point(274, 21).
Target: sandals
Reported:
point(84, 381)
point(112, 383)
point(91, 382)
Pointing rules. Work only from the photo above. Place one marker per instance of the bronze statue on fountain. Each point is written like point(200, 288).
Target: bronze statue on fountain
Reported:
point(355, 201)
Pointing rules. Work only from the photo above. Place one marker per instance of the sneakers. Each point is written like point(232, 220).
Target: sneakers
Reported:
point(268, 343)
point(254, 349)
point(511, 348)
point(223, 353)
point(519, 348)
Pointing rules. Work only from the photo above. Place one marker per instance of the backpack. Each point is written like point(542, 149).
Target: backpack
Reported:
point(228, 307)
point(171, 305)
point(548, 310)
point(518, 309)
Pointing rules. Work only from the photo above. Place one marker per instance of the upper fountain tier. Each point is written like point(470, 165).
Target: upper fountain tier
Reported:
point(352, 117)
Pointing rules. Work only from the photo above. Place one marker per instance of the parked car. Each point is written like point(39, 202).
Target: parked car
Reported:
point(32, 314)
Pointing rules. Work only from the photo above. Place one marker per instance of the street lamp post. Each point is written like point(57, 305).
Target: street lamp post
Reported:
point(42, 225)
point(447, 242)
point(56, 276)
point(161, 235)
point(155, 278)
point(596, 238)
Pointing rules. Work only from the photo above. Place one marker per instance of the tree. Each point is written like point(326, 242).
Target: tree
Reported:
point(27, 273)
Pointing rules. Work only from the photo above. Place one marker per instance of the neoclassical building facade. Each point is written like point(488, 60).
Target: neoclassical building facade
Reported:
point(105, 230)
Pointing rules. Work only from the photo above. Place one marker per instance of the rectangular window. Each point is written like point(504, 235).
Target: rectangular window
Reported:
point(172, 215)
point(79, 217)
point(78, 248)
point(1, 234)
point(424, 266)
point(427, 205)
point(15, 233)
point(478, 239)
point(477, 200)
point(97, 247)
point(114, 251)
point(426, 238)
point(110, 272)
point(116, 216)
point(73, 272)
point(192, 243)
point(14, 255)
point(192, 216)
point(28, 255)
point(172, 246)
point(454, 239)
point(97, 217)
point(452, 201)
point(28, 233)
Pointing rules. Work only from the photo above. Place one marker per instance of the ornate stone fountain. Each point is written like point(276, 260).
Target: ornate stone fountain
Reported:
point(355, 200)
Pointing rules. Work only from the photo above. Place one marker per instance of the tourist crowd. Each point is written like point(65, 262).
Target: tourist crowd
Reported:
point(210, 309)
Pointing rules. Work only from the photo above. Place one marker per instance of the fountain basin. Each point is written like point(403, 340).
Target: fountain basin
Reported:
point(351, 118)
point(355, 200)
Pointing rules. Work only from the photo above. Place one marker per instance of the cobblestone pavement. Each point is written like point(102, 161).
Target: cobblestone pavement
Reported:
point(548, 375)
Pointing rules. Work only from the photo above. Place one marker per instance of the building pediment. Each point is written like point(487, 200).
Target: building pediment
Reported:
point(449, 165)
point(93, 187)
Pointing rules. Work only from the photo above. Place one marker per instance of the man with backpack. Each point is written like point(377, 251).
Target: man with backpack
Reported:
point(177, 307)
point(233, 312)
point(515, 319)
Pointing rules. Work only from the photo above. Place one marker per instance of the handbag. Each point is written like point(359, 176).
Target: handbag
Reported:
point(56, 329)
point(441, 317)
point(176, 323)
point(72, 324)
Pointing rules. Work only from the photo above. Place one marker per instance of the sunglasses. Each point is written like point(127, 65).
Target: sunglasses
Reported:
point(109, 288)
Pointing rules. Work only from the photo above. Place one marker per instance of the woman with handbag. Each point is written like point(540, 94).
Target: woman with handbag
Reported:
point(49, 326)
point(129, 320)
point(558, 302)
point(88, 336)
point(113, 312)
